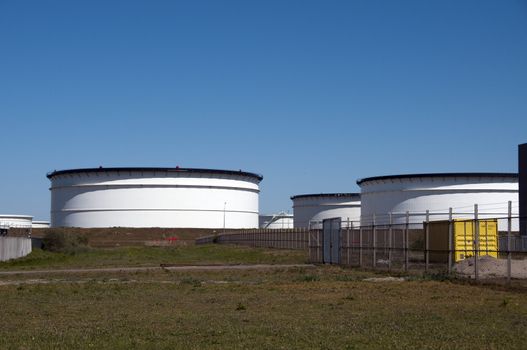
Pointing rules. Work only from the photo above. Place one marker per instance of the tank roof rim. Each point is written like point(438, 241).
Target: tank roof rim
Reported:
point(153, 169)
point(431, 175)
point(16, 216)
point(352, 194)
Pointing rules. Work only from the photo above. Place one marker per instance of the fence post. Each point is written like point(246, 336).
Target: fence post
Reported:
point(348, 246)
point(450, 238)
point(360, 246)
point(390, 234)
point(296, 240)
point(476, 242)
point(320, 241)
point(509, 254)
point(309, 249)
point(406, 234)
point(374, 243)
point(427, 240)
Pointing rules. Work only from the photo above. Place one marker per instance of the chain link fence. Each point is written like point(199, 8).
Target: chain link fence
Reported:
point(467, 243)
point(268, 238)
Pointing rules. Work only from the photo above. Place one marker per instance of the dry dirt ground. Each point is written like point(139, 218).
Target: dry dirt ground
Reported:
point(489, 267)
point(153, 268)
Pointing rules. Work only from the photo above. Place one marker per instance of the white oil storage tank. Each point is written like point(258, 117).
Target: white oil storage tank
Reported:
point(309, 210)
point(397, 195)
point(40, 224)
point(15, 225)
point(15, 221)
point(154, 197)
point(281, 220)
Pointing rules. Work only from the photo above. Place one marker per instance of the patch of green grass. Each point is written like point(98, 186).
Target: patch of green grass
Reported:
point(240, 307)
point(191, 281)
point(165, 310)
point(307, 278)
point(432, 276)
point(154, 256)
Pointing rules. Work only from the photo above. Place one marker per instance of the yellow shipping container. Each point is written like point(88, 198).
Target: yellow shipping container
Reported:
point(463, 240)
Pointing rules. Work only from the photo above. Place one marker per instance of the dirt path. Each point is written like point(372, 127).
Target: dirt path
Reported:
point(159, 268)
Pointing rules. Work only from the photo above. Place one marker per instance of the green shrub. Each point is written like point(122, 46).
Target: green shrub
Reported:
point(71, 243)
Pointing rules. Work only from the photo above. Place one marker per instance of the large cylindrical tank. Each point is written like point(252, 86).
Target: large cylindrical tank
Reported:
point(154, 197)
point(276, 221)
point(310, 210)
point(417, 193)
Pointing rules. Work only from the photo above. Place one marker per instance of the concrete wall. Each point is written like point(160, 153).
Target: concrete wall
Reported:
point(14, 247)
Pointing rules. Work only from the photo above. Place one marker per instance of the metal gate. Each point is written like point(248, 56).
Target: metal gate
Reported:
point(331, 239)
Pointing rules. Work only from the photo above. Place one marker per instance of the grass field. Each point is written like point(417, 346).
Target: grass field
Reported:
point(299, 308)
point(154, 256)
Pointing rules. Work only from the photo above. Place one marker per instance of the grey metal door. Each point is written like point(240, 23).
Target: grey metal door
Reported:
point(335, 241)
point(326, 235)
point(331, 234)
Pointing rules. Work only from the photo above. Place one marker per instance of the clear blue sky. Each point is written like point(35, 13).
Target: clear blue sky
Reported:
point(311, 94)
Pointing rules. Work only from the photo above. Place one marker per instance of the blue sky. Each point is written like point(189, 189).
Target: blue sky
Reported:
point(311, 94)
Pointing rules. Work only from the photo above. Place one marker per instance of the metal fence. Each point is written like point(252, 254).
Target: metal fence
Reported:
point(469, 243)
point(474, 247)
point(269, 238)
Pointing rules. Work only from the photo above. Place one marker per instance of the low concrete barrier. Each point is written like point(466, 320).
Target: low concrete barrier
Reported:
point(14, 247)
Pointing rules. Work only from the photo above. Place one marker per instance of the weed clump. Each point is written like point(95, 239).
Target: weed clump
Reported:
point(194, 282)
point(440, 276)
point(69, 243)
point(308, 278)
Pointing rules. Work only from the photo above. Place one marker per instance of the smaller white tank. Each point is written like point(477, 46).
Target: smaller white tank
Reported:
point(41, 224)
point(311, 209)
point(15, 221)
point(281, 220)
